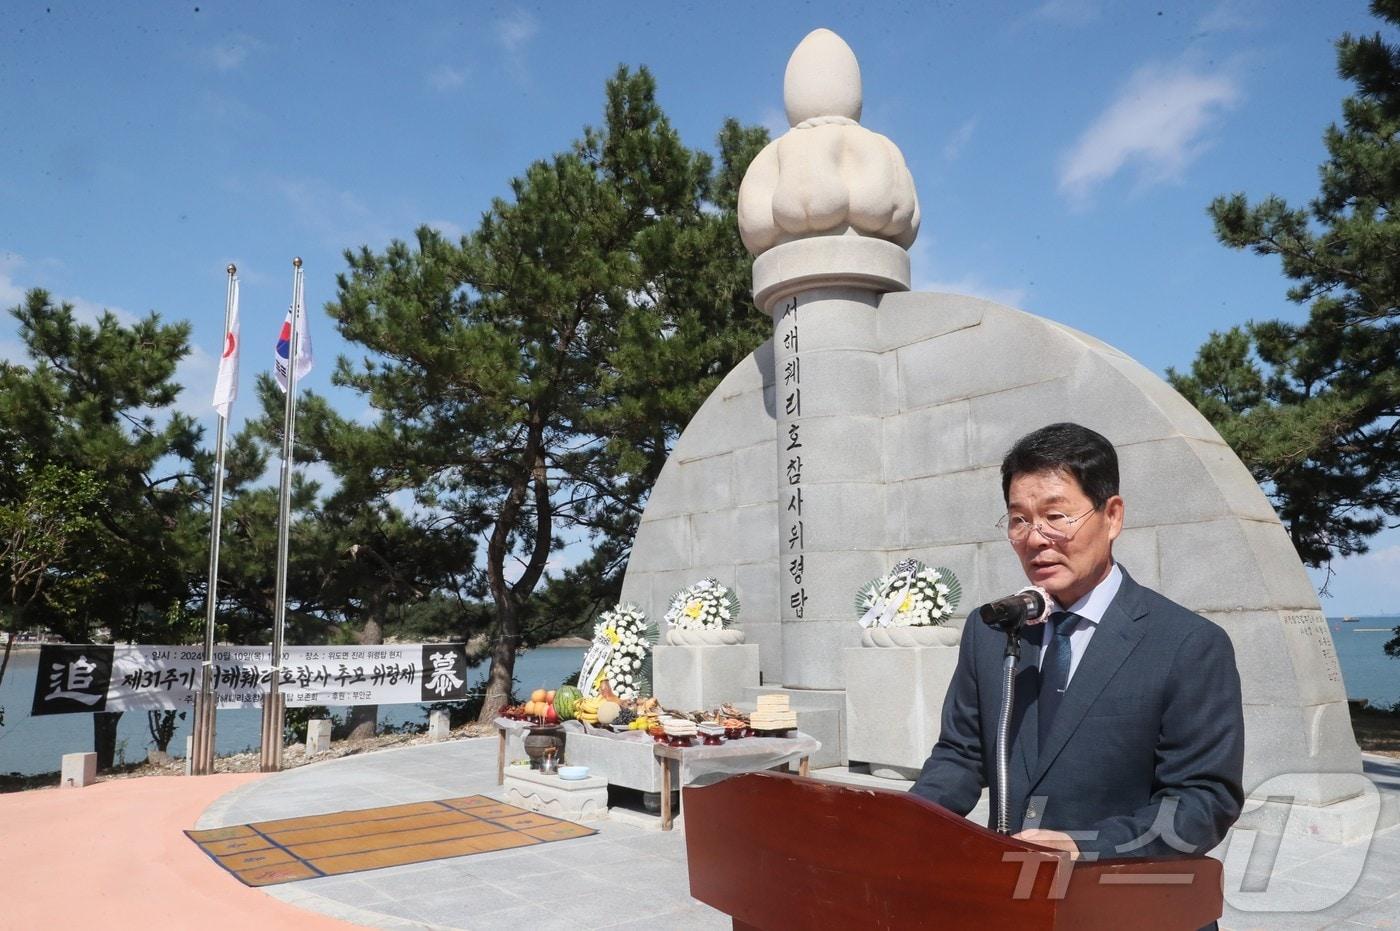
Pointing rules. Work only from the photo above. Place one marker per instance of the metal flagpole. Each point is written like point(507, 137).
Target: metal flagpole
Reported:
point(205, 709)
point(273, 704)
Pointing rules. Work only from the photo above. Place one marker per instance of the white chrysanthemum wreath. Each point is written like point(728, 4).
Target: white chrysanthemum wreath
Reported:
point(910, 595)
point(628, 666)
point(706, 605)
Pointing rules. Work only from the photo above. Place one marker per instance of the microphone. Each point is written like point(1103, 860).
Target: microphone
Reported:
point(1030, 605)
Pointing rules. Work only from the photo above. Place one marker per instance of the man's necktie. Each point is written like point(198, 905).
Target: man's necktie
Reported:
point(1054, 669)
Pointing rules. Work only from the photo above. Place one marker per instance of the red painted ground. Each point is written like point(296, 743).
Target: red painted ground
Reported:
point(114, 856)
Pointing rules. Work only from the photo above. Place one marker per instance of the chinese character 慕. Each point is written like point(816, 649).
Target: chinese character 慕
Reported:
point(444, 678)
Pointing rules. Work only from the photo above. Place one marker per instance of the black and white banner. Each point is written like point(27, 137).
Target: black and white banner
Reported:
point(75, 678)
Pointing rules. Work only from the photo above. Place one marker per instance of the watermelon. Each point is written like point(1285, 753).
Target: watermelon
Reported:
point(565, 697)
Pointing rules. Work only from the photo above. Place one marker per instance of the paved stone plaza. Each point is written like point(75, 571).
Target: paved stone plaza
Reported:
point(632, 875)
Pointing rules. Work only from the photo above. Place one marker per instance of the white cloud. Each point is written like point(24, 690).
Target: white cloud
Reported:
point(339, 218)
point(88, 311)
point(1387, 559)
point(447, 228)
point(973, 286)
point(195, 374)
point(447, 78)
point(1068, 12)
point(1364, 585)
point(1227, 16)
point(231, 53)
point(11, 293)
point(13, 288)
point(321, 474)
point(1157, 123)
point(226, 109)
point(516, 29)
point(959, 139)
point(921, 256)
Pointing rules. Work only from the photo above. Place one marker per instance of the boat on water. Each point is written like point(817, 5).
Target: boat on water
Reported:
point(1349, 619)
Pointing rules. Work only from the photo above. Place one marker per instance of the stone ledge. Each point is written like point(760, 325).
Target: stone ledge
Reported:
point(828, 261)
point(1345, 822)
point(535, 777)
point(570, 799)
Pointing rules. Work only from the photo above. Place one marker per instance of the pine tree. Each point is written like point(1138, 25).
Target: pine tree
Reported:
point(531, 378)
point(1312, 408)
point(87, 407)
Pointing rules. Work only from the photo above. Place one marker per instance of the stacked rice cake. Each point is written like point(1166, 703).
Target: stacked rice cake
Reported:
point(678, 727)
point(773, 713)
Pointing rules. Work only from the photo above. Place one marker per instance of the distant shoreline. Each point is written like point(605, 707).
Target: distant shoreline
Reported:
point(564, 643)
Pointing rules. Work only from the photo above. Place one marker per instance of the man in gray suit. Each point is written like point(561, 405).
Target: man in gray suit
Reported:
point(1127, 734)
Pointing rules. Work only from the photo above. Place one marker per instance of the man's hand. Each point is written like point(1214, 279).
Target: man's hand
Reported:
point(1059, 840)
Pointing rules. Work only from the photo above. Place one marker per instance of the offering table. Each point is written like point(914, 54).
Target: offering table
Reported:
point(634, 760)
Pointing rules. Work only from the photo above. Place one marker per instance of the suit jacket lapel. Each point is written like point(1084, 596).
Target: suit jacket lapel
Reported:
point(1117, 635)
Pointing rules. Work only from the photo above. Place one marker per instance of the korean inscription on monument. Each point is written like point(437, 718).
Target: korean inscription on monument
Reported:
point(790, 450)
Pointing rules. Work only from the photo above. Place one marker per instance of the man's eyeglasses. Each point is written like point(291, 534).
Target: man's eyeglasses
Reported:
point(1055, 527)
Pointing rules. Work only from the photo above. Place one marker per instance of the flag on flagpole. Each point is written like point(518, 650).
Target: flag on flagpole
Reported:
point(284, 341)
point(226, 388)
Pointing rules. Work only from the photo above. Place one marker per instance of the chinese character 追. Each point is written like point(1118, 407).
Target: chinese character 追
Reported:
point(78, 676)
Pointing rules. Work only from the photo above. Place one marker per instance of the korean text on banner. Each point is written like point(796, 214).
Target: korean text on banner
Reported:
point(75, 678)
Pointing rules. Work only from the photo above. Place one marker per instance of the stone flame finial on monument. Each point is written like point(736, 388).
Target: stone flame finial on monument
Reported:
point(829, 202)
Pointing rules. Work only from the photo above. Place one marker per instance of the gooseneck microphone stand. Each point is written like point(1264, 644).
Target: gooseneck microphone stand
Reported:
point(1010, 615)
point(1008, 701)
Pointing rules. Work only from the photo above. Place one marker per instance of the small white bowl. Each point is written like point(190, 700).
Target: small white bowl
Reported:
point(573, 772)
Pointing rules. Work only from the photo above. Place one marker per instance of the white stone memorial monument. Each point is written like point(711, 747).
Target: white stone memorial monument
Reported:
point(871, 428)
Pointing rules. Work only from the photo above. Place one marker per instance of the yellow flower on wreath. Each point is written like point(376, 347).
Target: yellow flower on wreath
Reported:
point(611, 634)
point(907, 604)
point(693, 609)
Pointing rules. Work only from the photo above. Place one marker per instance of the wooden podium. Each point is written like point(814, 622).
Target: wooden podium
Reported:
point(780, 852)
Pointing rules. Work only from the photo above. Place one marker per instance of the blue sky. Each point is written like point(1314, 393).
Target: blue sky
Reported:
point(1064, 152)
